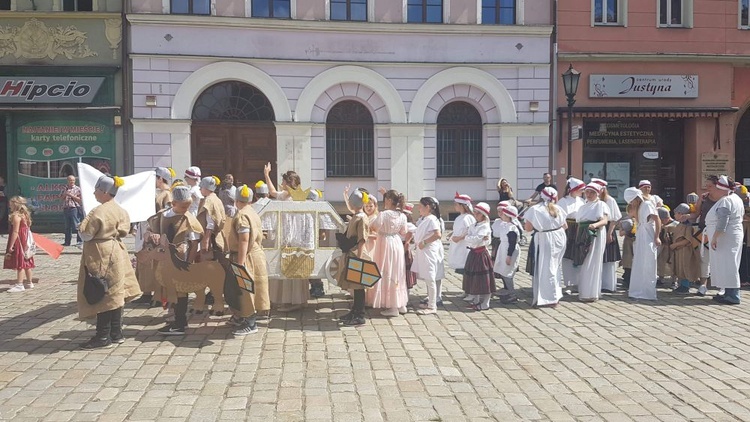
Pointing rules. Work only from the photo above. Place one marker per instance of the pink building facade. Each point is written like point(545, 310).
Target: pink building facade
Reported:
point(428, 100)
point(663, 92)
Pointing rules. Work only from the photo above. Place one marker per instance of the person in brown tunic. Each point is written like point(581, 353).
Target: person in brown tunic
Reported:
point(686, 262)
point(105, 255)
point(356, 235)
point(627, 231)
point(245, 249)
point(665, 255)
point(212, 217)
point(182, 233)
point(146, 271)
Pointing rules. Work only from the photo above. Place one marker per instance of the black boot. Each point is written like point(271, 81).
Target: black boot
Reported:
point(101, 339)
point(626, 278)
point(358, 310)
point(177, 328)
point(145, 299)
point(115, 332)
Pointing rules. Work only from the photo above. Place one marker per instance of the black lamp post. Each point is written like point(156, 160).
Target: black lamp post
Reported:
point(570, 84)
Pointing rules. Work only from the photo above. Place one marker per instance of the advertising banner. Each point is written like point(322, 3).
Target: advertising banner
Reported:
point(643, 86)
point(49, 89)
point(50, 150)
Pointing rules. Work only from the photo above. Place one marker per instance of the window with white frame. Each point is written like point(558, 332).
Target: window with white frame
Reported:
point(609, 12)
point(77, 5)
point(744, 6)
point(191, 7)
point(675, 13)
point(279, 9)
point(499, 12)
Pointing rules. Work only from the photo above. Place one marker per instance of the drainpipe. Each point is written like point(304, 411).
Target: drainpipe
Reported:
point(553, 116)
point(125, 112)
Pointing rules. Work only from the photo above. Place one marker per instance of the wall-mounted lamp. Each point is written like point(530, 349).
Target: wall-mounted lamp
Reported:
point(534, 106)
point(150, 100)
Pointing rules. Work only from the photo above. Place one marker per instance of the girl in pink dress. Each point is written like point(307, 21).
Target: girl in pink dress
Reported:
point(390, 292)
point(18, 244)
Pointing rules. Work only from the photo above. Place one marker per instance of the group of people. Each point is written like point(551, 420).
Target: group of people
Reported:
point(203, 221)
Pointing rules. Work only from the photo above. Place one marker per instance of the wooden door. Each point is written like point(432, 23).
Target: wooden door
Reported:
point(240, 149)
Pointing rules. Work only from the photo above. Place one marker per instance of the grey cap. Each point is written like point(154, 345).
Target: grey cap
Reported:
point(261, 188)
point(682, 209)
point(208, 183)
point(164, 173)
point(356, 198)
point(106, 184)
point(243, 194)
point(626, 224)
point(663, 212)
point(181, 194)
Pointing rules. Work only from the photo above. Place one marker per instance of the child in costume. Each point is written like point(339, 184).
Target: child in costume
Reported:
point(685, 248)
point(665, 253)
point(627, 231)
point(429, 255)
point(457, 249)
point(353, 245)
point(479, 279)
point(506, 260)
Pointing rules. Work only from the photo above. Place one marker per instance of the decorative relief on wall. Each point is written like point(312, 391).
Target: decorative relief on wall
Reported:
point(35, 40)
point(113, 32)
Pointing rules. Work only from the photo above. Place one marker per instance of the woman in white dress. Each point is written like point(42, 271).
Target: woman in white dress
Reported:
point(429, 255)
point(724, 228)
point(298, 231)
point(612, 253)
point(547, 221)
point(570, 203)
point(505, 228)
point(648, 226)
point(592, 218)
point(645, 188)
point(458, 247)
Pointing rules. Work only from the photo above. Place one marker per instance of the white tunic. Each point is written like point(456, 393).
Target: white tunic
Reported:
point(549, 241)
point(428, 261)
point(479, 235)
point(501, 229)
point(195, 193)
point(725, 260)
point(457, 251)
point(643, 274)
point(590, 273)
point(570, 205)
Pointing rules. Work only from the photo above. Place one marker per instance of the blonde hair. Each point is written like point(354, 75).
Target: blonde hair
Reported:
point(633, 207)
point(552, 209)
point(18, 205)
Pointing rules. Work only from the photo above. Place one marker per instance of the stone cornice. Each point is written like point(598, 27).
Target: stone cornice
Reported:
point(654, 57)
point(59, 15)
point(336, 26)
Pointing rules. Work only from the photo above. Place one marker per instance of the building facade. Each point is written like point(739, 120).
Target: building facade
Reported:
point(60, 97)
point(427, 97)
point(663, 92)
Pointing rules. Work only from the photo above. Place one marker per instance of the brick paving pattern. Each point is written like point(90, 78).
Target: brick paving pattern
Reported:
point(680, 358)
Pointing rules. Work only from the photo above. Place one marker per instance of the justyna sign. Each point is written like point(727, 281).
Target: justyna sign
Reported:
point(643, 86)
point(49, 89)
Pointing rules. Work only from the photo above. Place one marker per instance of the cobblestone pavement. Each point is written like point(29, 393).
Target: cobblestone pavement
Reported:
point(680, 358)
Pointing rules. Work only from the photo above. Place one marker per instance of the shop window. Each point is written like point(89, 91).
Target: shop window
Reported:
point(350, 141)
point(191, 7)
point(459, 141)
point(78, 5)
point(744, 6)
point(280, 9)
point(349, 10)
point(4, 4)
point(499, 12)
point(424, 11)
point(675, 13)
point(609, 12)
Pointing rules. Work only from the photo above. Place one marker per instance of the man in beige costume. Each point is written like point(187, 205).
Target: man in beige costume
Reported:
point(105, 255)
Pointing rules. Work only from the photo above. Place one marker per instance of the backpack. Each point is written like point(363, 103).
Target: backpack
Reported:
point(30, 250)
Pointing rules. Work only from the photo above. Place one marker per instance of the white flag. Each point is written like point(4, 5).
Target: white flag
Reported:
point(136, 196)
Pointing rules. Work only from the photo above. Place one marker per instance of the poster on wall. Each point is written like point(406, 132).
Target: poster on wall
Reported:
point(617, 176)
point(48, 151)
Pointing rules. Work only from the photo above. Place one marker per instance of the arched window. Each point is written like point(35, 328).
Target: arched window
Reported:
point(459, 141)
point(349, 141)
point(233, 101)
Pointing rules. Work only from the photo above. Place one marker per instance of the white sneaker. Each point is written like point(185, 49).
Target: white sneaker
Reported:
point(390, 312)
point(29, 286)
point(427, 311)
point(16, 288)
point(402, 310)
point(470, 298)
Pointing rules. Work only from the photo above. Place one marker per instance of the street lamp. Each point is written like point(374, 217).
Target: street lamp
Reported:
point(570, 84)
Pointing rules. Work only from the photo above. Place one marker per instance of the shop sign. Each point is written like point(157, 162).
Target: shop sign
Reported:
point(714, 164)
point(49, 89)
point(49, 150)
point(620, 134)
point(643, 86)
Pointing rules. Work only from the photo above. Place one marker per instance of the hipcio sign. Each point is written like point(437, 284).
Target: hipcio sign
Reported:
point(49, 89)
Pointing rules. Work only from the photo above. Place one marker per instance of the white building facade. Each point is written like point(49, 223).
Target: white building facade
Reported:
point(397, 100)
